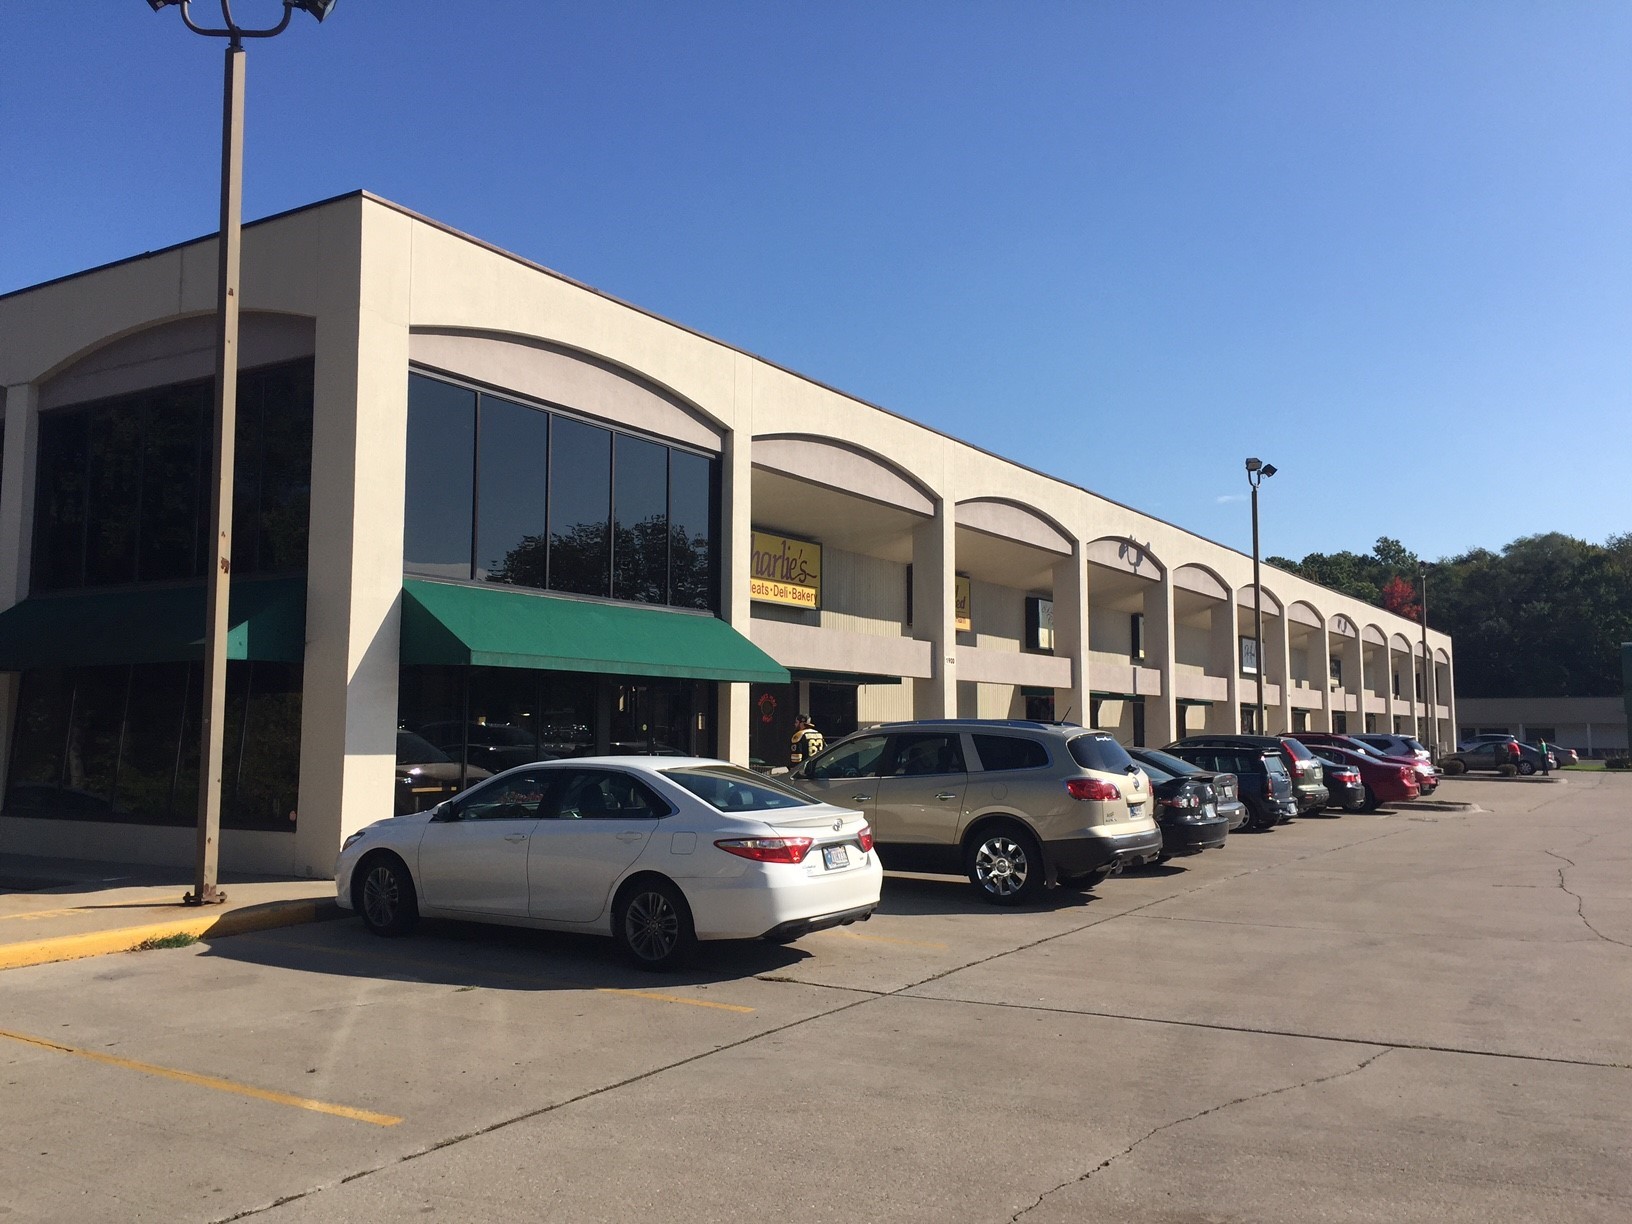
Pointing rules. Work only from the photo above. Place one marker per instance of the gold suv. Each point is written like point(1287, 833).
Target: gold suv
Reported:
point(1018, 806)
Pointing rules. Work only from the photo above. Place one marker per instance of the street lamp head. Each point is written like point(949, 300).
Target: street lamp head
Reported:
point(160, 5)
point(1254, 464)
point(1269, 469)
point(317, 8)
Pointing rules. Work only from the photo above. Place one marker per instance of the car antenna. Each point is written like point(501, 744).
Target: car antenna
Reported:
point(1066, 717)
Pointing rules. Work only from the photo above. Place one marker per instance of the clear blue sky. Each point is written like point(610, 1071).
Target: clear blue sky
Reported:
point(1383, 244)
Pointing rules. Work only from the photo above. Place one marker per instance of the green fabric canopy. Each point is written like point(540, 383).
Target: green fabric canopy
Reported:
point(266, 621)
point(496, 627)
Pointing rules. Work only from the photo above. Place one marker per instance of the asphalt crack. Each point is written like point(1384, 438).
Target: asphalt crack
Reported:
point(1211, 1109)
point(1581, 902)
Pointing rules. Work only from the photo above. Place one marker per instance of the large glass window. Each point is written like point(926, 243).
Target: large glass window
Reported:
point(499, 491)
point(121, 744)
point(580, 508)
point(640, 545)
point(511, 541)
point(441, 475)
point(122, 484)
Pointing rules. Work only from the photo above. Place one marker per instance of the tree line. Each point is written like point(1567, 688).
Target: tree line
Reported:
point(1544, 617)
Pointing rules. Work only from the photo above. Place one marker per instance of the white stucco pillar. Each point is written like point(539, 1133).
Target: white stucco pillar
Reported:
point(1161, 711)
point(1353, 653)
point(736, 552)
point(354, 571)
point(22, 408)
point(1277, 670)
point(1071, 632)
point(934, 558)
point(1390, 703)
point(1320, 672)
point(1226, 661)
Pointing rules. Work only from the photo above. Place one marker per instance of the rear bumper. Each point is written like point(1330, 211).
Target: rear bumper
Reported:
point(1312, 798)
point(1078, 855)
point(1191, 836)
point(804, 926)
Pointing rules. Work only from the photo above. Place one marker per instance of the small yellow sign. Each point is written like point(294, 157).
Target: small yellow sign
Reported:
point(785, 571)
point(961, 601)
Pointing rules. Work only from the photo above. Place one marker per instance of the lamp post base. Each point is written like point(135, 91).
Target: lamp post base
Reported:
point(208, 895)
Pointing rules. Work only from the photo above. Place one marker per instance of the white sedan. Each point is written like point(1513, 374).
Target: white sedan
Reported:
point(657, 852)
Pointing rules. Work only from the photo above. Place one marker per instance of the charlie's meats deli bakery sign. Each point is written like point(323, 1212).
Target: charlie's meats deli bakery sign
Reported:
point(786, 571)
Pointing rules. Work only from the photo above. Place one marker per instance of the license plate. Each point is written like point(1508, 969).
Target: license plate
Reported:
point(1208, 811)
point(1135, 811)
point(835, 856)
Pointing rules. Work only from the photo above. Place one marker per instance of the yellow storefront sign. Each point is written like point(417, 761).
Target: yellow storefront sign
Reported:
point(785, 571)
point(961, 600)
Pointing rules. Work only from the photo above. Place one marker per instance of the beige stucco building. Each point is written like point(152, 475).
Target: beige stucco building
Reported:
point(498, 513)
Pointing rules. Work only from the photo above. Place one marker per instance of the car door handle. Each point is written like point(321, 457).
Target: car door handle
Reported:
point(861, 798)
point(515, 837)
point(947, 795)
point(629, 837)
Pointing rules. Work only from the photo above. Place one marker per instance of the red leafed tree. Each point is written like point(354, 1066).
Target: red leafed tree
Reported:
point(1400, 597)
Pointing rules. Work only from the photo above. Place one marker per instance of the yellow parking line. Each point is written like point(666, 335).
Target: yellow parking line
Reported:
point(208, 1081)
point(906, 943)
point(56, 913)
point(668, 998)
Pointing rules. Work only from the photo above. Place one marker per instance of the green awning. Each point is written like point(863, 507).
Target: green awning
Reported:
point(498, 627)
point(164, 624)
point(838, 677)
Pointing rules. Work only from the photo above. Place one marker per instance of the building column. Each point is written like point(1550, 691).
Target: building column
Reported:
point(1226, 662)
point(1321, 666)
point(934, 614)
point(1071, 632)
point(1161, 712)
point(736, 606)
point(22, 406)
point(1390, 702)
point(1278, 667)
point(354, 566)
point(1353, 654)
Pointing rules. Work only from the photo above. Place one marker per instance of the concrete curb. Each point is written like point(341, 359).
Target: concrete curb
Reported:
point(1436, 805)
point(201, 926)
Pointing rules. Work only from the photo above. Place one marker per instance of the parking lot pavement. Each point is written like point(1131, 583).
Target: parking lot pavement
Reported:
point(1407, 1017)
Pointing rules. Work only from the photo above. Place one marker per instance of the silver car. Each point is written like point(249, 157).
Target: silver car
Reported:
point(1017, 806)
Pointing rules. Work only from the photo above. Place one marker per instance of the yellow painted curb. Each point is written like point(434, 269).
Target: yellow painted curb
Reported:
point(201, 926)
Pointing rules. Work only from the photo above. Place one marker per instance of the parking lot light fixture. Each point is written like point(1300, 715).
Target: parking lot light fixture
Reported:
point(1257, 470)
point(213, 719)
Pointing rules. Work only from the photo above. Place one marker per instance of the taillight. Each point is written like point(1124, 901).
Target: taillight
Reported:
point(770, 849)
point(1407, 774)
point(1269, 786)
point(865, 837)
point(1184, 801)
point(1090, 789)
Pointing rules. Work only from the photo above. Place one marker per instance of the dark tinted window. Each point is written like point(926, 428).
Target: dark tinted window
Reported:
point(113, 495)
point(580, 508)
point(692, 483)
point(174, 454)
point(515, 796)
point(1000, 752)
point(920, 753)
point(640, 542)
point(1168, 764)
point(436, 536)
point(1296, 749)
point(1100, 752)
point(511, 544)
point(59, 509)
point(731, 788)
point(602, 794)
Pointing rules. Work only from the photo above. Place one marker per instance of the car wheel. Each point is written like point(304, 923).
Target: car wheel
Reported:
point(1371, 803)
point(652, 925)
point(1087, 880)
point(385, 895)
point(1006, 864)
point(1527, 768)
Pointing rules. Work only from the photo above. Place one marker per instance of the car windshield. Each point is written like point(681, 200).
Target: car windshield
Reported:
point(1414, 745)
point(1100, 752)
point(730, 788)
point(1171, 765)
point(411, 750)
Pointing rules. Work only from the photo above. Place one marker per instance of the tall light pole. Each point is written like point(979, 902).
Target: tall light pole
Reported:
point(1430, 721)
point(218, 586)
point(1257, 471)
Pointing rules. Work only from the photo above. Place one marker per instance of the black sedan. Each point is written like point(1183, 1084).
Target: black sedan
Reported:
point(1347, 787)
point(1187, 803)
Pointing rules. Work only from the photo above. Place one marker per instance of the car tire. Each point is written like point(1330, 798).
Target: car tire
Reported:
point(652, 925)
point(385, 895)
point(1527, 768)
point(1371, 802)
point(1087, 880)
point(1006, 864)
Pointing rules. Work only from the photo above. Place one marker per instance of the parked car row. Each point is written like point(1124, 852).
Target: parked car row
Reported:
point(663, 852)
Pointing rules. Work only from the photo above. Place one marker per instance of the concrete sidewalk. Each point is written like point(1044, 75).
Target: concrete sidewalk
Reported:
point(65, 909)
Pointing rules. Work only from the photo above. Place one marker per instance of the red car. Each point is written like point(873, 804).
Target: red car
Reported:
point(1427, 775)
point(1384, 781)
